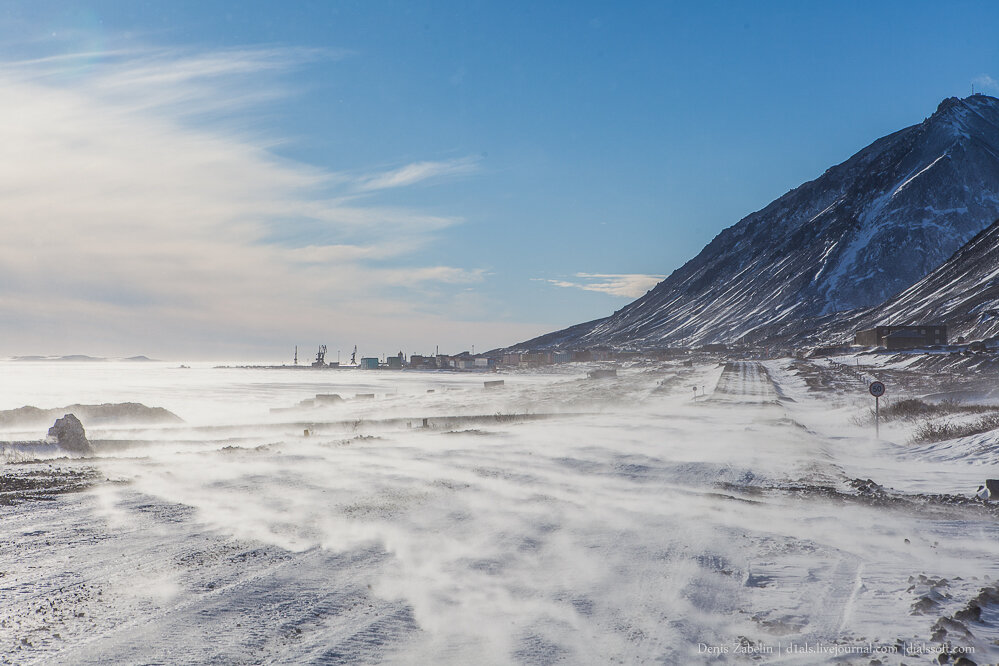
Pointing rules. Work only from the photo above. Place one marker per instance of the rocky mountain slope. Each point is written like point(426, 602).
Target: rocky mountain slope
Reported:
point(962, 293)
point(860, 233)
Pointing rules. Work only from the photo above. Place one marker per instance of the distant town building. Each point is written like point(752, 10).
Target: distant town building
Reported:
point(535, 359)
point(901, 337)
point(420, 361)
point(369, 363)
point(511, 359)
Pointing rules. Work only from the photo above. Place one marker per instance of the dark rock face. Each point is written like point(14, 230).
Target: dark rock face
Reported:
point(70, 435)
point(860, 233)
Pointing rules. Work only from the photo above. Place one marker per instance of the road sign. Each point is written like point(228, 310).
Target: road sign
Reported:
point(877, 389)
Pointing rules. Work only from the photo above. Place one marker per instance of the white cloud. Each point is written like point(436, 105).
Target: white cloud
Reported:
point(438, 274)
point(626, 285)
point(985, 82)
point(124, 220)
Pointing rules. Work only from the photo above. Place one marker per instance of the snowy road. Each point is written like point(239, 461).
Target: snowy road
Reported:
point(630, 525)
point(746, 382)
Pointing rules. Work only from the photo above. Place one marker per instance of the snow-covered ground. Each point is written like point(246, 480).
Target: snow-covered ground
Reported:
point(559, 520)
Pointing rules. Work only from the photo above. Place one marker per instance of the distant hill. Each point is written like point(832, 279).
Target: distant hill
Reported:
point(103, 414)
point(82, 358)
point(854, 237)
point(71, 357)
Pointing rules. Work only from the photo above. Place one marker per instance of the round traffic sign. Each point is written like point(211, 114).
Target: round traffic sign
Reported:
point(877, 389)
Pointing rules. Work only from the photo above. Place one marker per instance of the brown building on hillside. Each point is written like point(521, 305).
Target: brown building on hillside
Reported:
point(901, 337)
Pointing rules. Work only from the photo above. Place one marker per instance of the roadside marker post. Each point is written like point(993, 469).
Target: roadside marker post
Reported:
point(877, 389)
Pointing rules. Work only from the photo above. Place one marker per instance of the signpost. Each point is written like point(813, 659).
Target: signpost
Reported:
point(877, 389)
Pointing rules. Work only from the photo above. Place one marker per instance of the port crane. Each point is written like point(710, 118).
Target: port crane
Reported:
point(320, 357)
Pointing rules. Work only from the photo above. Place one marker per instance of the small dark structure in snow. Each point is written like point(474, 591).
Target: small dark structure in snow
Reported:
point(990, 490)
point(70, 435)
point(902, 337)
point(602, 373)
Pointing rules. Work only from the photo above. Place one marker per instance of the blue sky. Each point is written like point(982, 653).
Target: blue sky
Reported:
point(199, 178)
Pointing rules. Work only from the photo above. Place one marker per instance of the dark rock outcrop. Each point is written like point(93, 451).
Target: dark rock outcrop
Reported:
point(70, 435)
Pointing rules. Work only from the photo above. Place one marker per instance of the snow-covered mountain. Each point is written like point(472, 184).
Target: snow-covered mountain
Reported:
point(962, 293)
point(854, 237)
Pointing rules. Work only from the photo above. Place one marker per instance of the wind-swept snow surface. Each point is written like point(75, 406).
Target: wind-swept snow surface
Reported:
point(554, 520)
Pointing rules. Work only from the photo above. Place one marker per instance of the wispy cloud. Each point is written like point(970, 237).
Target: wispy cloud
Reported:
point(123, 218)
point(440, 274)
point(986, 82)
point(416, 173)
point(625, 285)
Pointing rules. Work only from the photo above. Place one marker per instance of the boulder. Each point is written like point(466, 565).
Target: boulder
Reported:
point(70, 435)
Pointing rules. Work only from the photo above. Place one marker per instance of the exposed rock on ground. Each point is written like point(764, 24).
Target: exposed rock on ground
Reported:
point(70, 435)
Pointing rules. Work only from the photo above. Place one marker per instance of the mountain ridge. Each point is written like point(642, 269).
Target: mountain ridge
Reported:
point(860, 233)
